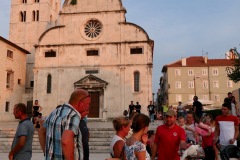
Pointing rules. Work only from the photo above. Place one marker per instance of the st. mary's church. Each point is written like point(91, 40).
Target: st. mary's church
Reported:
point(82, 44)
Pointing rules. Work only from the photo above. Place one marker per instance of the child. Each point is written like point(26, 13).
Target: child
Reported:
point(125, 113)
point(181, 122)
point(203, 129)
point(39, 120)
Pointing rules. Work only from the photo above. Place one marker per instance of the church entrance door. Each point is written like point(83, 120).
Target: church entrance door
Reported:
point(29, 108)
point(94, 105)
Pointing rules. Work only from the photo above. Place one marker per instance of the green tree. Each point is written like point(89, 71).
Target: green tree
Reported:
point(233, 72)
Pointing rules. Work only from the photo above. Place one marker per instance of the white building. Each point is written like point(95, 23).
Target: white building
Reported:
point(13, 75)
point(206, 78)
point(87, 45)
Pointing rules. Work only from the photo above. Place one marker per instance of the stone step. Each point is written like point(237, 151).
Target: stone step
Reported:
point(92, 139)
point(99, 140)
point(99, 143)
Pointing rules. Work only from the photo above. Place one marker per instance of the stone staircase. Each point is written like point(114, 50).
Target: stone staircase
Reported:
point(99, 141)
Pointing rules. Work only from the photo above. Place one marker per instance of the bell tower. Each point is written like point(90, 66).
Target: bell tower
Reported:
point(28, 20)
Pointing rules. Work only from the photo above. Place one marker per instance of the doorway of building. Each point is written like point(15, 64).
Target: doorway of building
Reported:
point(94, 105)
point(29, 108)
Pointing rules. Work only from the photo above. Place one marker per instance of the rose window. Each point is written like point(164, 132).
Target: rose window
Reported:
point(93, 28)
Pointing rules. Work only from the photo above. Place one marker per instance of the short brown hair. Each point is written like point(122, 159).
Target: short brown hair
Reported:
point(120, 122)
point(21, 107)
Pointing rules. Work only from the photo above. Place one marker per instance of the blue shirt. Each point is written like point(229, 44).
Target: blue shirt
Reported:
point(62, 118)
point(25, 128)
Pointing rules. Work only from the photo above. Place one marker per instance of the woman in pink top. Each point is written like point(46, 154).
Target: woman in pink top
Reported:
point(208, 145)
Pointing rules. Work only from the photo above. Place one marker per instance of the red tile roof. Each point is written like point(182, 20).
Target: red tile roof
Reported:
point(199, 62)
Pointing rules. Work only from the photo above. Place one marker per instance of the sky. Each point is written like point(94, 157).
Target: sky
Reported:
point(179, 28)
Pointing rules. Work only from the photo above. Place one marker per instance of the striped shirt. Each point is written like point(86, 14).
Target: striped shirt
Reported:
point(62, 118)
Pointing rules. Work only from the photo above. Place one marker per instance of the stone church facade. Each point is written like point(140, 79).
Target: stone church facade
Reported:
point(87, 45)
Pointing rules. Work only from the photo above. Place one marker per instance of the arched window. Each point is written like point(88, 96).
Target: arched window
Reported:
point(24, 16)
point(37, 16)
point(136, 81)
point(49, 83)
point(21, 16)
point(33, 15)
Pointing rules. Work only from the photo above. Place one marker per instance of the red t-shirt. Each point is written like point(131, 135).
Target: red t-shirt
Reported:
point(168, 142)
point(227, 128)
point(207, 141)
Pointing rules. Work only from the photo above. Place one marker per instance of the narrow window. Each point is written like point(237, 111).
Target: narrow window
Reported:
point(91, 72)
point(205, 97)
point(178, 85)
point(19, 81)
point(50, 53)
point(215, 84)
point(33, 15)
point(24, 16)
point(204, 72)
point(9, 80)
point(136, 51)
point(37, 16)
point(49, 83)
point(31, 84)
point(190, 84)
point(190, 72)
point(136, 81)
point(229, 84)
point(216, 98)
point(21, 17)
point(10, 54)
point(205, 84)
point(92, 53)
point(215, 71)
point(177, 72)
point(7, 106)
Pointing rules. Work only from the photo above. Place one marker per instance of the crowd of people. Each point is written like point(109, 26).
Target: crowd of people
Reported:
point(181, 130)
point(64, 133)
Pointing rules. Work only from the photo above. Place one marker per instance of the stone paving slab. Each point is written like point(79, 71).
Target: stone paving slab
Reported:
point(39, 156)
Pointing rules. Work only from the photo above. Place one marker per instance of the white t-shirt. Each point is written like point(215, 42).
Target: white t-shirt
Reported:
point(190, 134)
point(180, 108)
point(114, 140)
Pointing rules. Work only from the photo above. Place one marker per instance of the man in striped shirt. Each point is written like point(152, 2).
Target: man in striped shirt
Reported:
point(60, 136)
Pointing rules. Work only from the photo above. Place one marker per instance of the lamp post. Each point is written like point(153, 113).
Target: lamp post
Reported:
point(194, 83)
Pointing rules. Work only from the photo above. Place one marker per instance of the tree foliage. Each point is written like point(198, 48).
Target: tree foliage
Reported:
point(233, 72)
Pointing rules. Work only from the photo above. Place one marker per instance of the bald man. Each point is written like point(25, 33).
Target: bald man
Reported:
point(60, 136)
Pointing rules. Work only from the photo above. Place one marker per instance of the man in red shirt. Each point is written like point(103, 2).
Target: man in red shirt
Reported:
point(168, 138)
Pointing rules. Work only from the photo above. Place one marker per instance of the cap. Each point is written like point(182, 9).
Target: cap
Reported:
point(171, 112)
